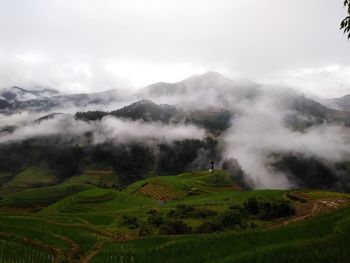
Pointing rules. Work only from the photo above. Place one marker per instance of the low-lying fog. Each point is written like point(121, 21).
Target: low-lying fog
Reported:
point(258, 128)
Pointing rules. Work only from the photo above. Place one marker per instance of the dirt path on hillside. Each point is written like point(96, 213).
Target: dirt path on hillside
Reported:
point(58, 253)
point(92, 253)
point(307, 207)
point(89, 228)
point(73, 250)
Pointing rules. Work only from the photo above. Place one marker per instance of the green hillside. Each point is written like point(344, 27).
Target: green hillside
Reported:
point(191, 217)
point(36, 176)
point(39, 197)
point(101, 177)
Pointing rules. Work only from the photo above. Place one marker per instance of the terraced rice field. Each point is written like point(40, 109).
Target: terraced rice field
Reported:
point(86, 225)
point(301, 242)
point(11, 251)
point(95, 199)
point(32, 177)
point(43, 196)
point(160, 192)
point(96, 177)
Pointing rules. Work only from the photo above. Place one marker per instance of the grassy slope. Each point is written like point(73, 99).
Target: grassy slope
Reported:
point(91, 216)
point(97, 174)
point(323, 239)
point(301, 242)
point(32, 177)
point(4, 177)
point(94, 200)
point(43, 196)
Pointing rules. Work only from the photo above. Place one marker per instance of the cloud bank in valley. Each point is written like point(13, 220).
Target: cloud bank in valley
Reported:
point(109, 129)
point(260, 130)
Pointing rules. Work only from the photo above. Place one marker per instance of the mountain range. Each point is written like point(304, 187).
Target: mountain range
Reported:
point(206, 117)
point(196, 91)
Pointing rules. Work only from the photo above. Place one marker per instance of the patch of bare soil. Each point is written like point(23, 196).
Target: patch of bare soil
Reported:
point(306, 207)
point(73, 251)
point(92, 253)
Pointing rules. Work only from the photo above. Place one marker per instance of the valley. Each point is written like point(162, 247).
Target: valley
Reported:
point(106, 177)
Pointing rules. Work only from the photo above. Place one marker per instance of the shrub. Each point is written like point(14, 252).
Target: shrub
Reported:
point(267, 210)
point(230, 218)
point(203, 213)
point(252, 206)
point(239, 208)
point(175, 227)
point(185, 210)
point(153, 211)
point(181, 211)
point(156, 220)
point(145, 231)
point(209, 227)
point(130, 222)
point(193, 191)
point(278, 209)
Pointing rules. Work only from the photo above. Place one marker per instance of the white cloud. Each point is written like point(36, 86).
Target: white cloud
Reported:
point(58, 42)
point(259, 131)
point(124, 131)
point(329, 81)
point(109, 129)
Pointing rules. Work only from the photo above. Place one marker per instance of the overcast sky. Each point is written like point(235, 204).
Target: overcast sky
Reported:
point(93, 45)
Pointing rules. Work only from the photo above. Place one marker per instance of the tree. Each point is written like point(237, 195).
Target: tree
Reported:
point(345, 24)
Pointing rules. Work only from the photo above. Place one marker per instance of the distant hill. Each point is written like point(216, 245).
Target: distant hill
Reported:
point(19, 94)
point(16, 99)
point(146, 110)
point(342, 103)
point(198, 99)
point(204, 88)
point(215, 120)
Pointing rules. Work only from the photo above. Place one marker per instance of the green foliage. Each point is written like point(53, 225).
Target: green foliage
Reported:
point(184, 210)
point(321, 239)
point(175, 227)
point(153, 211)
point(209, 227)
point(268, 210)
point(310, 172)
point(130, 221)
point(252, 206)
point(231, 218)
point(66, 160)
point(203, 213)
point(345, 24)
point(145, 230)
point(236, 219)
point(155, 220)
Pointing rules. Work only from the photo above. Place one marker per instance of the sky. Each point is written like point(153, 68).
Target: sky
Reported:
point(90, 45)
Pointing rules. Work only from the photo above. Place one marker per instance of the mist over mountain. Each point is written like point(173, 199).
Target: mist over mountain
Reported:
point(16, 99)
point(342, 103)
point(261, 127)
point(19, 94)
point(174, 131)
